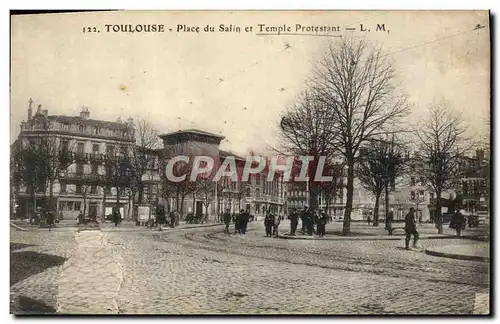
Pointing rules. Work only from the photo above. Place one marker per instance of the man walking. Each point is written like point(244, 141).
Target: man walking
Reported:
point(294, 221)
point(310, 222)
point(226, 217)
point(277, 221)
point(389, 220)
point(321, 225)
point(411, 229)
point(244, 218)
point(160, 217)
point(268, 223)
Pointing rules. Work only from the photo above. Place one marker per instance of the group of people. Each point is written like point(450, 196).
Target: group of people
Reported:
point(271, 224)
point(161, 218)
point(240, 221)
point(309, 218)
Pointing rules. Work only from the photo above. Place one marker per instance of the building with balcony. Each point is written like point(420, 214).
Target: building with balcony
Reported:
point(81, 185)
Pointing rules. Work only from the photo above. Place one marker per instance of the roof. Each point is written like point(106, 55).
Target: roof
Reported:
point(192, 131)
point(224, 154)
point(95, 122)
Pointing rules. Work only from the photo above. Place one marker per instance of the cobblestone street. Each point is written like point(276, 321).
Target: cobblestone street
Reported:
point(204, 271)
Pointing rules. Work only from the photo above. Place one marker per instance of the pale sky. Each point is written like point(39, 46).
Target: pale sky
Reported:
point(173, 79)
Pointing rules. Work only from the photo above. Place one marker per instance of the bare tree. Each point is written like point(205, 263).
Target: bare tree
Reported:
point(443, 145)
point(306, 130)
point(143, 155)
point(356, 84)
point(206, 190)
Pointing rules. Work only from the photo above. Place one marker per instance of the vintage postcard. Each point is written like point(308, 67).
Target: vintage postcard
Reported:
point(250, 162)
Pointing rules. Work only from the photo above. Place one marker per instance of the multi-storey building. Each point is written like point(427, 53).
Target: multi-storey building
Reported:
point(81, 184)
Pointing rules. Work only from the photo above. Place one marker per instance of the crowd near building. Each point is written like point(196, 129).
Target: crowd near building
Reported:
point(83, 185)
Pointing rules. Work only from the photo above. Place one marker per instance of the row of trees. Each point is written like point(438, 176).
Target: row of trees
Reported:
point(352, 108)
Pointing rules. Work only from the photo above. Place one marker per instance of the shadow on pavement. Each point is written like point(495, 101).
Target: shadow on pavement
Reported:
point(27, 306)
point(28, 263)
point(18, 246)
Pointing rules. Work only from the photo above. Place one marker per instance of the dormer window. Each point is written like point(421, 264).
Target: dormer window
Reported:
point(81, 128)
point(96, 130)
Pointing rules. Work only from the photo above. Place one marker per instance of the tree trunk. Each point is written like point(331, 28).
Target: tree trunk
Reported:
point(439, 217)
point(103, 217)
point(84, 203)
point(376, 208)
point(181, 210)
point(141, 193)
point(51, 194)
point(313, 195)
point(387, 200)
point(346, 230)
point(194, 202)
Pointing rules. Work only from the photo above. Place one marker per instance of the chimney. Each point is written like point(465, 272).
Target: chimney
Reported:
point(85, 114)
point(45, 112)
point(130, 120)
point(119, 120)
point(39, 110)
point(30, 110)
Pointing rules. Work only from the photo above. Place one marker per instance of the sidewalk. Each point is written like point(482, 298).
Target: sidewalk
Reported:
point(363, 231)
point(471, 252)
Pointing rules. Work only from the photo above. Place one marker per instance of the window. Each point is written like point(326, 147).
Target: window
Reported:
point(248, 192)
point(65, 126)
point(63, 187)
point(107, 190)
point(95, 148)
point(93, 189)
point(412, 195)
point(69, 205)
point(421, 193)
point(78, 205)
point(412, 181)
point(431, 195)
point(78, 189)
point(81, 128)
point(257, 192)
point(257, 179)
point(80, 149)
point(96, 130)
point(95, 169)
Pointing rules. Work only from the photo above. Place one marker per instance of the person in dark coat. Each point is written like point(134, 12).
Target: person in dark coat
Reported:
point(161, 218)
point(50, 218)
point(237, 223)
point(457, 222)
point(389, 220)
point(268, 223)
point(173, 217)
point(117, 217)
point(226, 217)
point(244, 219)
point(294, 221)
point(411, 228)
point(310, 221)
point(321, 224)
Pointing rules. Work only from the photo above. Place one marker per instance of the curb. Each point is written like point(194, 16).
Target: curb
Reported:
point(367, 238)
point(457, 256)
point(17, 227)
point(167, 229)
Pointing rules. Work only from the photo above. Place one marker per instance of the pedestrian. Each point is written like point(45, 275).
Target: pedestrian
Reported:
point(389, 220)
point(310, 222)
point(411, 229)
point(457, 222)
point(243, 220)
point(50, 219)
point(277, 221)
point(369, 220)
point(160, 217)
point(116, 217)
point(268, 223)
point(321, 223)
point(227, 220)
point(172, 218)
point(294, 221)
